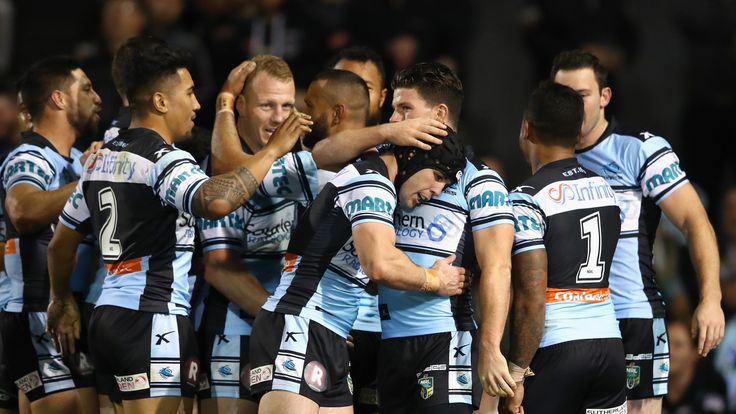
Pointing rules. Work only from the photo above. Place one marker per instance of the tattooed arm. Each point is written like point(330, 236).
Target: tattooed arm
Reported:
point(529, 277)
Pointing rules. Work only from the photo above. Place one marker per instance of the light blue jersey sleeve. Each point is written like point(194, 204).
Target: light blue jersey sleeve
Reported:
point(529, 223)
point(75, 214)
point(660, 173)
point(368, 198)
point(224, 233)
point(175, 178)
point(293, 177)
point(488, 200)
point(27, 165)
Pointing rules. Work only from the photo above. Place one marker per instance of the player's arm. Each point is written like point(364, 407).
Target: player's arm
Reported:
point(225, 272)
point(227, 151)
point(686, 212)
point(385, 264)
point(333, 152)
point(63, 314)
point(30, 208)
point(493, 251)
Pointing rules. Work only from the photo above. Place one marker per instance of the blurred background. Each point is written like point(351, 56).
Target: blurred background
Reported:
point(672, 66)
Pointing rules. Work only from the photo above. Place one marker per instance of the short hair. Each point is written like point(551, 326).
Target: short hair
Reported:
point(555, 112)
point(124, 55)
point(148, 65)
point(435, 83)
point(348, 88)
point(271, 65)
point(42, 79)
point(580, 59)
point(362, 54)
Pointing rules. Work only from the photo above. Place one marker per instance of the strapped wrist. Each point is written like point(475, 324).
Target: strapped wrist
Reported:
point(225, 102)
point(518, 373)
point(431, 281)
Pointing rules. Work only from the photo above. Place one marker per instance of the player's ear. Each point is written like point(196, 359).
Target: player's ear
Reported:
point(606, 94)
point(338, 114)
point(441, 113)
point(158, 101)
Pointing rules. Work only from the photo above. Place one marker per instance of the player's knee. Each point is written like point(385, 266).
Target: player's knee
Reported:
point(645, 406)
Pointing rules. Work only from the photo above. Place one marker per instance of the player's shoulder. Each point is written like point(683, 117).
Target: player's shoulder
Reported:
point(143, 142)
point(368, 171)
point(635, 141)
point(476, 172)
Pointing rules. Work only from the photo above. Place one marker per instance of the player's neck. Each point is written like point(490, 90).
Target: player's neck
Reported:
point(594, 135)
point(58, 132)
point(154, 123)
point(391, 165)
point(546, 155)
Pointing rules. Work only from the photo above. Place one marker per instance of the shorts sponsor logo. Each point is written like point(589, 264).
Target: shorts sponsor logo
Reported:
point(638, 357)
point(164, 373)
point(621, 409)
point(593, 295)
point(426, 384)
point(315, 376)
point(29, 382)
point(261, 374)
point(633, 376)
point(135, 382)
point(435, 367)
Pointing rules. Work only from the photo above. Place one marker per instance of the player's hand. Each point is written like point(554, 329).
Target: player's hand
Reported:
point(64, 324)
point(452, 278)
point(494, 375)
point(289, 132)
point(512, 404)
point(417, 132)
point(350, 341)
point(94, 147)
point(236, 79)
point(708, 326)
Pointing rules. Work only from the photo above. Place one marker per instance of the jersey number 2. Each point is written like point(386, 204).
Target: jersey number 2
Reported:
point(590, 230)
point(110, 246)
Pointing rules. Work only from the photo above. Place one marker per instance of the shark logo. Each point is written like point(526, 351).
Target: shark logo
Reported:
point(166, 372)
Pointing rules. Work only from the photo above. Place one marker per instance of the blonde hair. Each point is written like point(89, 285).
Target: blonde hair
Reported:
point(271, 65)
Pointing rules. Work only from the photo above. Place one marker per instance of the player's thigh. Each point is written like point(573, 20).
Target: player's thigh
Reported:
point(58, 403)
point(279, 402)
point(645, 406)
point(157, 405)
point(336, 410)
point(227, 406)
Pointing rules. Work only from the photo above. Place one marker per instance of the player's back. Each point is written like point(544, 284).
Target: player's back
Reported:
point(571, 212)
point(138, 192)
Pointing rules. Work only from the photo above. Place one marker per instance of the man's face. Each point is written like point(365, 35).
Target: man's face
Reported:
point(266, 103)
point(83, 112)
point(369, 73)
point(421, 187)
point(409, 105)
point(183, 105)
point(318, 107)
point(595, 100)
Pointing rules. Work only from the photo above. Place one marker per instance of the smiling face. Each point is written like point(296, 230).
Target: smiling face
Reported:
point(183, 104)
point(267, 101)
point(421, 187)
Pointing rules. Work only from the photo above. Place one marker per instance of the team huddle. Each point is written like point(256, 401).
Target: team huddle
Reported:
point(337, 277)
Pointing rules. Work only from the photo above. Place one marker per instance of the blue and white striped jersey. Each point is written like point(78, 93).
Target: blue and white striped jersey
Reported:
point(643, 170)
point(35, 162)
point(320, 280)
point(571, 213)
point(135, 196)
point(436, 229)
point(259, 231)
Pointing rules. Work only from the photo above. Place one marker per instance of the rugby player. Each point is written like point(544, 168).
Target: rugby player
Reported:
point(37, 178)
point(138, 196)
point(564, 332)
point(646, 175)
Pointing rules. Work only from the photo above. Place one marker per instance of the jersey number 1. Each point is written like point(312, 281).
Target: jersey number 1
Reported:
point(109, 245)
point(590, 230)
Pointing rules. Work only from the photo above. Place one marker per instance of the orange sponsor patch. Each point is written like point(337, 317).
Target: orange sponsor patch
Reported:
point(595, 295)
point(10, 246)
point(124, 267)
point(289, 262)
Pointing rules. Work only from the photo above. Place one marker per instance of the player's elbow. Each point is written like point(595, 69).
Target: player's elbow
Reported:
point(377, 270)
point(23, 219)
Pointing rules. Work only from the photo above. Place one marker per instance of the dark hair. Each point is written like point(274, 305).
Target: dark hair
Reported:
point(362, 54)
point(148, 65)
point(42, 79)
point(555, 112)
point(435, 83)
point(580, 59)
point(124, 55)
point(347, 88)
